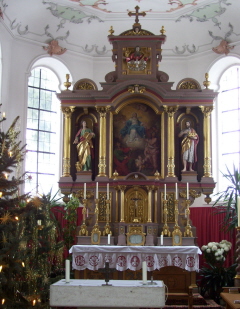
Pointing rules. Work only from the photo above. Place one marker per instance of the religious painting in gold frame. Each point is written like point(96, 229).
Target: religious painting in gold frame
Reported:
point(136, 140)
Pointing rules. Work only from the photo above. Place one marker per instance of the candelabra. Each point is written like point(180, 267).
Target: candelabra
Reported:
point(96, 227)
point(107, 228)
point(83, 229)
point(188, 228)
point(165, 231)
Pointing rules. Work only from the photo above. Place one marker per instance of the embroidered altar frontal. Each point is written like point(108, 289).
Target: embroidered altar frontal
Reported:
point(127, 257)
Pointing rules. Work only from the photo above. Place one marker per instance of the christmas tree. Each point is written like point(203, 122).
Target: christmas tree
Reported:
point(30, 253)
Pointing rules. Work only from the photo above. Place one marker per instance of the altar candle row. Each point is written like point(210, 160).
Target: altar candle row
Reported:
point(176, 192)
point(85, 191)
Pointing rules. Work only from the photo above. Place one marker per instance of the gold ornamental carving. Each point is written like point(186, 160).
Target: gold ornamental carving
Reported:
point(188, 83)
point(206, 83)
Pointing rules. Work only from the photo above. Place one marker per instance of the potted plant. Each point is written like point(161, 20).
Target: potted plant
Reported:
point(214, 276)
point(226, 201)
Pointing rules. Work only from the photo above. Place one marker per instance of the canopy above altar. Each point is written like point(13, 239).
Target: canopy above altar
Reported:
point(131, 257)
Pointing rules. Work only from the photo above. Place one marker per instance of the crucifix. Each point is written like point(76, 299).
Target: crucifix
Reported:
point(136, 14)
point(106, 271)
point(135, 199)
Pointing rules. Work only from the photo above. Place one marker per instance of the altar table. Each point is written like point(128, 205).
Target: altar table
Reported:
point(131, 257)
point(122, 294)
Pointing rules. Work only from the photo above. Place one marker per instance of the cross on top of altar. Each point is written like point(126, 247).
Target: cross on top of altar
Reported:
point(106, 271)
point(137, 14)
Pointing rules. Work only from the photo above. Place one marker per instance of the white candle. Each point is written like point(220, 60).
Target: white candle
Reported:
point(108, 191)
point(161, 240)
point(187, 191)
point(109, 239)
point(176, 188)
point(165, 191)
point(144, 272)
point(96, 190)
point(238, 209)
point(67, 271)
point(85, 190)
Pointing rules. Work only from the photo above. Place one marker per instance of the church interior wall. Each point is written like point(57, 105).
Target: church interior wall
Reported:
point(19, 55)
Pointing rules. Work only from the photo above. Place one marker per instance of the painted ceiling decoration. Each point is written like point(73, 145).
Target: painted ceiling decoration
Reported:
point(192, 26)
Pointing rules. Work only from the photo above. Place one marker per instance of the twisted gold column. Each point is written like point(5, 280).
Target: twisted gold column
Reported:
point(207, 166)
point(171, 110)
point(102, 110)
point(67, 111)
point(122, 215)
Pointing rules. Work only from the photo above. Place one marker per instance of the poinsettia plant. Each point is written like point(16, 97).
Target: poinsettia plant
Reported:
point(213, 275)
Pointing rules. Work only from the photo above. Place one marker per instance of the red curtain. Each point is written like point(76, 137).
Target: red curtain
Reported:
point(209, 228)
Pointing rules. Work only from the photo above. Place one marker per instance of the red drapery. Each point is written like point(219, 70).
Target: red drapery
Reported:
point(208, 225)
point(205, 219)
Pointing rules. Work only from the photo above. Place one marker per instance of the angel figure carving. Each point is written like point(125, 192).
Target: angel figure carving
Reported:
point(54, 49)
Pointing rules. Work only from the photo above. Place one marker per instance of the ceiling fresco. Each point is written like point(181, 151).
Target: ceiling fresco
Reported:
point(82, 26)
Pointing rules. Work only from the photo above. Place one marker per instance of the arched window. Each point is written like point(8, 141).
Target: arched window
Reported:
point(42, 138)
point(229, 122)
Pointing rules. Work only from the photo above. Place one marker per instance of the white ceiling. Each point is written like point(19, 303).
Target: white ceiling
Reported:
point(81, 26)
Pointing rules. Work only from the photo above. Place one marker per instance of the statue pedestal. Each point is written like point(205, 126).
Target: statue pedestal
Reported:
point(189, 176)
point(84, 176)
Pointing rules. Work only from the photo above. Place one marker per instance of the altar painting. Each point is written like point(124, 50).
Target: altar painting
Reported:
point(136, 140)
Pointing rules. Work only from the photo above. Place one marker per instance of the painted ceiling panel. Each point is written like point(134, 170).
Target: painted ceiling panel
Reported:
point(192, 26)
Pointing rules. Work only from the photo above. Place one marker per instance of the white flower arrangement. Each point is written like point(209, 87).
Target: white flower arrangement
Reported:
point(215, 252)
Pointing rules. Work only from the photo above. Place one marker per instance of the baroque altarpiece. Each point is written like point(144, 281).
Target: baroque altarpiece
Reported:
point(123, 147)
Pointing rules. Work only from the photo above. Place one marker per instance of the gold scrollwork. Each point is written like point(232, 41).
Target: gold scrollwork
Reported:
point(206, 110)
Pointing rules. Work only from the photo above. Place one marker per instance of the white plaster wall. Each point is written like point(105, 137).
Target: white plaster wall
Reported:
point(18, 56)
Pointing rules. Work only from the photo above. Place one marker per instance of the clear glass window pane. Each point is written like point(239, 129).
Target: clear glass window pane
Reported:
point(41, 135)
point(31, 162)
point(230, 121)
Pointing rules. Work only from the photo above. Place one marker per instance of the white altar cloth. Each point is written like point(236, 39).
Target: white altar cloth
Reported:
point(122, 294)
point(131, 257)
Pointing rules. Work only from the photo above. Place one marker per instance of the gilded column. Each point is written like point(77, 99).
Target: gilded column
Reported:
point(150, 189)
point(102, 110)
point(207, 166)
point(122, 215)
point(171, 110)
point(67, 111)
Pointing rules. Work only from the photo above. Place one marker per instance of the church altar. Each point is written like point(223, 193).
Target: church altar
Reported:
point(120, 294)
point(131, 257)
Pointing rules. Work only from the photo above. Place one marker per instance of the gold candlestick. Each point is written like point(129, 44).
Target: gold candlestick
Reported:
point(188, 228)
point(107, 228)
point(83, 229)
point(176, 213)
point(165, 231)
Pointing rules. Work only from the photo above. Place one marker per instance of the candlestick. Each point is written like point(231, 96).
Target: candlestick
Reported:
point(67, 271)
point(109, 239)
point(85, 191)
point(187, 191)
point(108, 191)
point(238, 209)
point(165, 191)
point(144, 272)
point(97, 190)
point(176, 188)
point(161, 240)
